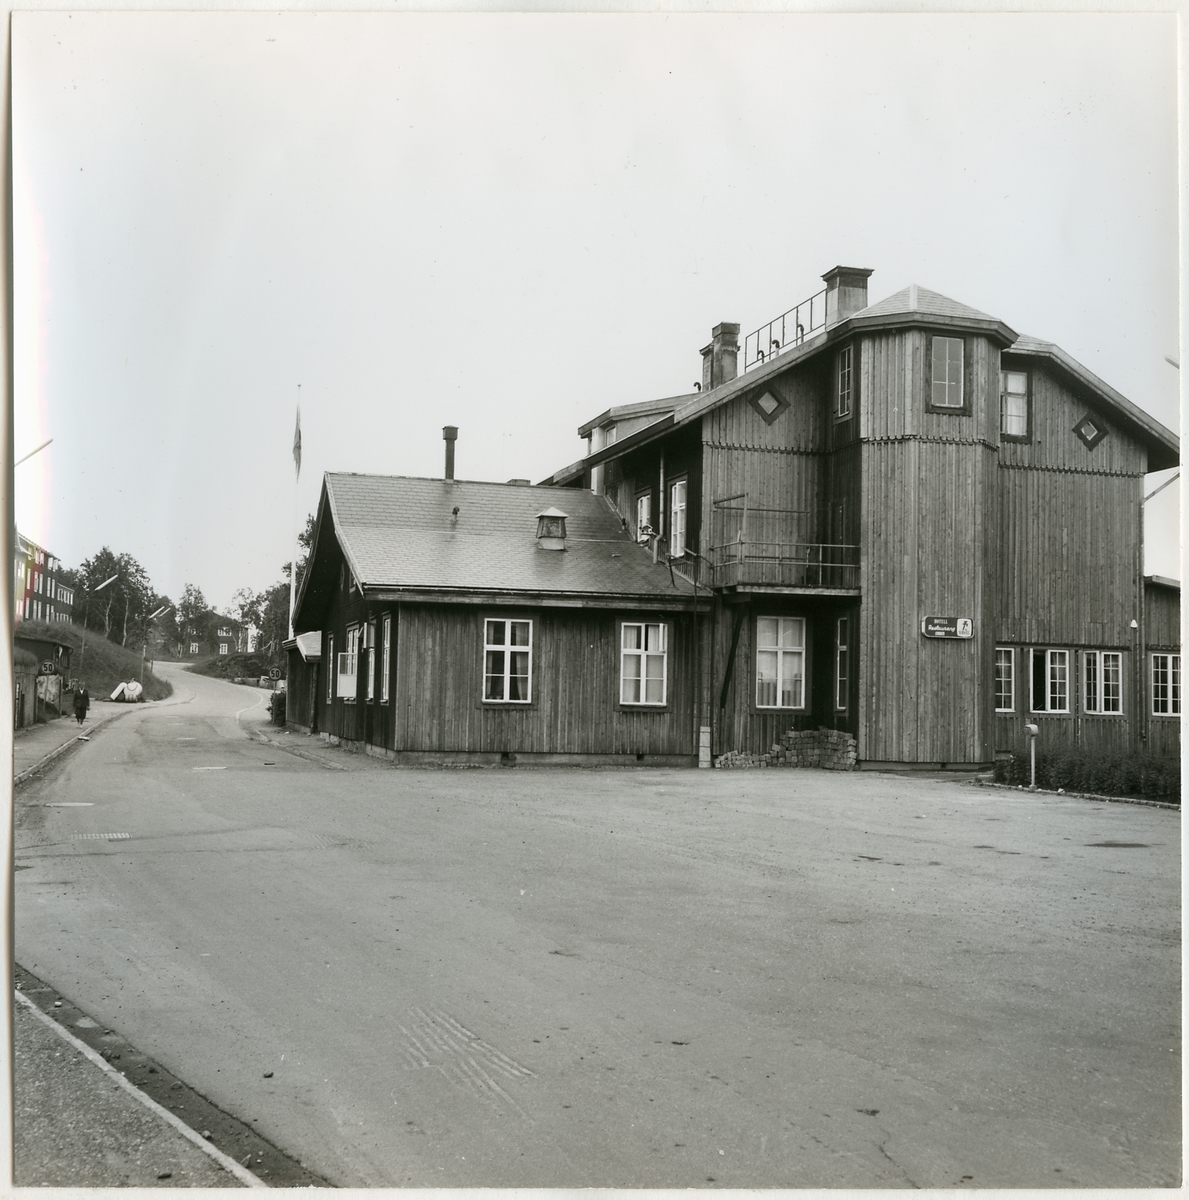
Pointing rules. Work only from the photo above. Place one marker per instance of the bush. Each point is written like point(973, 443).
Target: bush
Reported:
point(232, 666)
point(276, 708)
point(1139, 775)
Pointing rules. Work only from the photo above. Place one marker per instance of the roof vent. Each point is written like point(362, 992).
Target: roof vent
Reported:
point(551, 529)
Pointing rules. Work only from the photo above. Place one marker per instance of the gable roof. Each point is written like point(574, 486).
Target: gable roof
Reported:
point(401, 536)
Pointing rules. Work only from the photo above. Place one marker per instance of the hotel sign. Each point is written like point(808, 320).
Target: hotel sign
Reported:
point(948, 627)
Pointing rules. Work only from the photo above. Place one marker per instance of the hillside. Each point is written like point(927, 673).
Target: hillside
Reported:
point(104, 663)
point(233, 666)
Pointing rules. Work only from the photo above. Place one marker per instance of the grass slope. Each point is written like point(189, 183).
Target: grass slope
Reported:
point(104, 664)
point(232, 666)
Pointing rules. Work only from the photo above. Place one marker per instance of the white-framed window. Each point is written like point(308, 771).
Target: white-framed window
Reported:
point(370, 659)
point(780, 662)
point(845, 390)
point(193, 647)
point(1050, 681)
point(1103, 677)
point(643, 665)
point(643, 516)
point(1166, 684)
point(508, 660)
point(222, 647)
point(330, 667)
point(348, 667)
point(1013, 404)
point(385, 658)
point(947, 372)
point(224, 633)
point(677, 501)
point(1005, 679)
point(842, 664)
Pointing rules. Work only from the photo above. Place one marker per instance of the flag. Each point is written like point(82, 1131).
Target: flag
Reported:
point(297, 443)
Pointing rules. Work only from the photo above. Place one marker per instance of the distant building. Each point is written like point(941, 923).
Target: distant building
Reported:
point(41, 593)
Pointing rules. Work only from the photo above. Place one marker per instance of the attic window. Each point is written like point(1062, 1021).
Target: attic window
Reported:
point(1091, 432)
point(769, 406)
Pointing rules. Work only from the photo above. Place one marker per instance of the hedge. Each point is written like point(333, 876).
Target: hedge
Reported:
point(1100, 774)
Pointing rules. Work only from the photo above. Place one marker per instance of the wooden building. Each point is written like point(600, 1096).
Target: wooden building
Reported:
point(493, 623)
point(917, 526)
point(904, 521)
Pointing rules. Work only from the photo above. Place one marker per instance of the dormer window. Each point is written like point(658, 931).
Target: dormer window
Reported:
point(551, 529)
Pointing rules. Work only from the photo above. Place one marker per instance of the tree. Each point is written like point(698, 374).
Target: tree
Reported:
point(123, 605)
point(194, 615)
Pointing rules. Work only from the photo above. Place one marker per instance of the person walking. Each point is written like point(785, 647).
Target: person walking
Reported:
point(82, 701)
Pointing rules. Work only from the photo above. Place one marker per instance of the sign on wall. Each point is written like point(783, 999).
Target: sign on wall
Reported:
point(948, 627)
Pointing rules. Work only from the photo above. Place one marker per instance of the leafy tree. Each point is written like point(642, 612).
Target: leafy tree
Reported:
point(194, 616)
point(122, 606)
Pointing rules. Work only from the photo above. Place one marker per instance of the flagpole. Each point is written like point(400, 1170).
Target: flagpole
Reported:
point(296, 511)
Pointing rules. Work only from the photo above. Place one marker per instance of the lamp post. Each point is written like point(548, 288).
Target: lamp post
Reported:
point(152, 616)
point(82, 654)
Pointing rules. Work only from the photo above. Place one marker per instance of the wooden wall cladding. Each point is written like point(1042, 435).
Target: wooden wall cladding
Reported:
point(801, 426)
point(1068, 557)
point(575, 710)
point(1162, 617)
point(928, 518)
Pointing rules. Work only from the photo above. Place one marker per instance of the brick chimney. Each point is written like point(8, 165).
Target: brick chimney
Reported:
point(846, 292)
point(720, 360)
point(449, 436)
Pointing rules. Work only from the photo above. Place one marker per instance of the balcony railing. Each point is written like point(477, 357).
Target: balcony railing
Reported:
point(770, 547)
point(786, 331)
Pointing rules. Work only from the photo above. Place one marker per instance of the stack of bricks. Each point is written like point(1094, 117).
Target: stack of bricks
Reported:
point(829, 749)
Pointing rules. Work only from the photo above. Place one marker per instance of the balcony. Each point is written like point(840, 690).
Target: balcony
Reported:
point(772, 549)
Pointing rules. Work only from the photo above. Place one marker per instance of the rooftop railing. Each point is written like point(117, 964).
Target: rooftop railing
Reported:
point(786, 331)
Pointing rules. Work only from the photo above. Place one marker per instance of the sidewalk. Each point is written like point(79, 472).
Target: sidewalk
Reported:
point(38, 745)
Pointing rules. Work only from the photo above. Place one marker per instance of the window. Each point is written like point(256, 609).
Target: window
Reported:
point(385, 659)
point(842, 404)
point(1166, 684)
point(507, 661)
point(1005, 679)
point(612, 435)
point(780, 662)
point(193, 647)
point(1104, 681)
point(222, 647)
point(1050, 681)
point(642, 672)
point(224, 633)
point(947, 372)
point(677, 494)
point(643, 516)
point(842, 665)
point(370, 659)
point(1091, 431)
point(348, 666)
point(1013, 405)
point(330, 668)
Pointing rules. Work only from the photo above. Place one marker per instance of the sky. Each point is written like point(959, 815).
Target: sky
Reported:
point(511, 222)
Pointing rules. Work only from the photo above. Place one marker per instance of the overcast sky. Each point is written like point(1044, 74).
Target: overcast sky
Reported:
point(511, 222)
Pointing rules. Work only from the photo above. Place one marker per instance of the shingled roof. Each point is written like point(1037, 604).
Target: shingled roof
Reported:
point(461, 539)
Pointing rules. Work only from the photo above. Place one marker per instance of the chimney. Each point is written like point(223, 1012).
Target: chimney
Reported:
point(449, 434)
point(720, 360)
point(846, 292)
point(551, 529)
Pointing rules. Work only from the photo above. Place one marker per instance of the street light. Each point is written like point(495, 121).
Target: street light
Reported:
point(82, 654)
point(152, 616)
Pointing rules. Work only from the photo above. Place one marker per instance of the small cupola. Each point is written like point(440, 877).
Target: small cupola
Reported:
point(551, 529)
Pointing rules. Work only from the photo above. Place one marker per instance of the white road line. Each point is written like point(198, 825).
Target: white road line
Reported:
point(227, 1163)
point(249, 707)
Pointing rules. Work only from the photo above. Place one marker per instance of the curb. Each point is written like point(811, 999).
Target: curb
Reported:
point(1019, 787)
point(225, 1161)
point(28, 772)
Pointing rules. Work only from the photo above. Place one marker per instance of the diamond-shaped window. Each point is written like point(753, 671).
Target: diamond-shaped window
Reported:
point(1090, 431)
point(769, 406)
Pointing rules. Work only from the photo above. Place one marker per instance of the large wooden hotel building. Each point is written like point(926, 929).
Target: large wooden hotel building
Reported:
point(903, 521)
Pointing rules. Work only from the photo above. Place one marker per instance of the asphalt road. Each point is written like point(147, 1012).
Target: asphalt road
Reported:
point(616, 978)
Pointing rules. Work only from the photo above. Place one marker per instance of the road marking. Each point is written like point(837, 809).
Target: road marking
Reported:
point(187, 739)
point(70, 804)
point(208, 768)
point(227, 1163)
point(101, 837)
point(249, 707)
